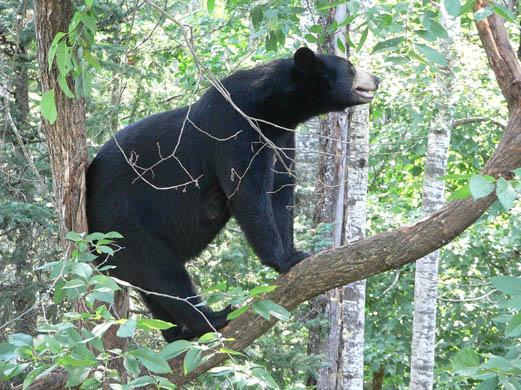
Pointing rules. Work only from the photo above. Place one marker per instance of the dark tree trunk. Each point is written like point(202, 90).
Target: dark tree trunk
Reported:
point(67, 146)
point(66, 139)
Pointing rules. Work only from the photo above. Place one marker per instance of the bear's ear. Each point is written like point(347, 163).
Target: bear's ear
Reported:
point(305, 60)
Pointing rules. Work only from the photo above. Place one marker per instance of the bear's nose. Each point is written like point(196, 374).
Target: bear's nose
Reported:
point(377, 81)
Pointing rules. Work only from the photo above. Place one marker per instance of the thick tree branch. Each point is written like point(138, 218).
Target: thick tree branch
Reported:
point(394, 249)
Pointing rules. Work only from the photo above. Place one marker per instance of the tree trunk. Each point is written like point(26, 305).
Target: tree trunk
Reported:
point(353, 320)
point(426, 277)
point(353, 304)
point(66, 137)
point(330, 209)
point(67, 146)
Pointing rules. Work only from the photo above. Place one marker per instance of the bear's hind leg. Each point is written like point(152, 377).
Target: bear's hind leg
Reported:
point(176, 300)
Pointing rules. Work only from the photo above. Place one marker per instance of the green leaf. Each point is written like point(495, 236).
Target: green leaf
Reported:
point(389, 45)
point(100, 329)
point(20, 340)
point(489, 384)
point(467, 7)
point(237, 312)
point(64, 85)
point(7, 351)
point(513, 303)
point(192, 359)
point(513, 328)
point(265, 377)
point(483, 13)
point(261, 290)
point(316, 29)
point(83, 269)
point(74, 361)
point(53, 48)
point(151, 360)
point(256, 17)
point(59, 293)
point(481, 186)
point(77, 375)
point(89, 3)
point(435, 29)
point(462, 193)
point(453, 7)
point(142, 381)
point(508, 284)
point(505, 193)
point(73, 236)
point(466, 362)
point(104, 281)
point(340, 45)
point(175, 349)
point(74, 283)
point(517, 172)
point(311, 38)
point(31, 376)
point(362, 40)
point(432, 55)
point(127, 329)
point(271, 41)
point(210, 5)
point(131, 364)
point(153, 324)
point(63, 58)
point(498, 363)
point(503, 11)
point(48, 106)
point(269, 308)
point(208, 337)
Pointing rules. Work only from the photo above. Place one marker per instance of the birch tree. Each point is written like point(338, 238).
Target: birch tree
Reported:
point(353, 316)
point(330, 209)
point(353, 313)
point(426, 276)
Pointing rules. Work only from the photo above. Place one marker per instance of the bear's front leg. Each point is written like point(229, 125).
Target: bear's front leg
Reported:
point(253, 210)
point(283, 203)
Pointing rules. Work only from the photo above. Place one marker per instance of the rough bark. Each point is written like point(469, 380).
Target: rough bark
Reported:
point(67, 145)
point(330, 209)
point(426, 275)
point(66, 139)
point(393, 249)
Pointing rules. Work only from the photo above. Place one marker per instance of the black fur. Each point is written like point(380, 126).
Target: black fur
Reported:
point(163, 229)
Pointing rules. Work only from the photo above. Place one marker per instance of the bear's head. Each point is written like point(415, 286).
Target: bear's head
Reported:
point(331, 81)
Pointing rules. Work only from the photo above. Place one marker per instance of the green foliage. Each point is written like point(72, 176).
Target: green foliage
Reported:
point(80, 349)
point(493, 371)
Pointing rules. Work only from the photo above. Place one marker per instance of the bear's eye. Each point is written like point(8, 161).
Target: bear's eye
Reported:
point(351, 67)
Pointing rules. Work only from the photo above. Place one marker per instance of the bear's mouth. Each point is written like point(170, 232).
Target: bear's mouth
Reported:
point(364, 93)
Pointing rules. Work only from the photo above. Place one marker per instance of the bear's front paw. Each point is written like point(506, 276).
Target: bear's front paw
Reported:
point(295, 258)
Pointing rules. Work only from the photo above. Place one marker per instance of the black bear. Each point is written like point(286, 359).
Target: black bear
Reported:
point(170, 182)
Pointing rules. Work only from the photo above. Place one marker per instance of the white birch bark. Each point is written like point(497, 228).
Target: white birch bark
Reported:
point(353, 305)
point(352, 366)
point(426, 277)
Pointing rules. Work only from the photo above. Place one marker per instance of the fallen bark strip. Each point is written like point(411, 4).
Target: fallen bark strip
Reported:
point(394, 249)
